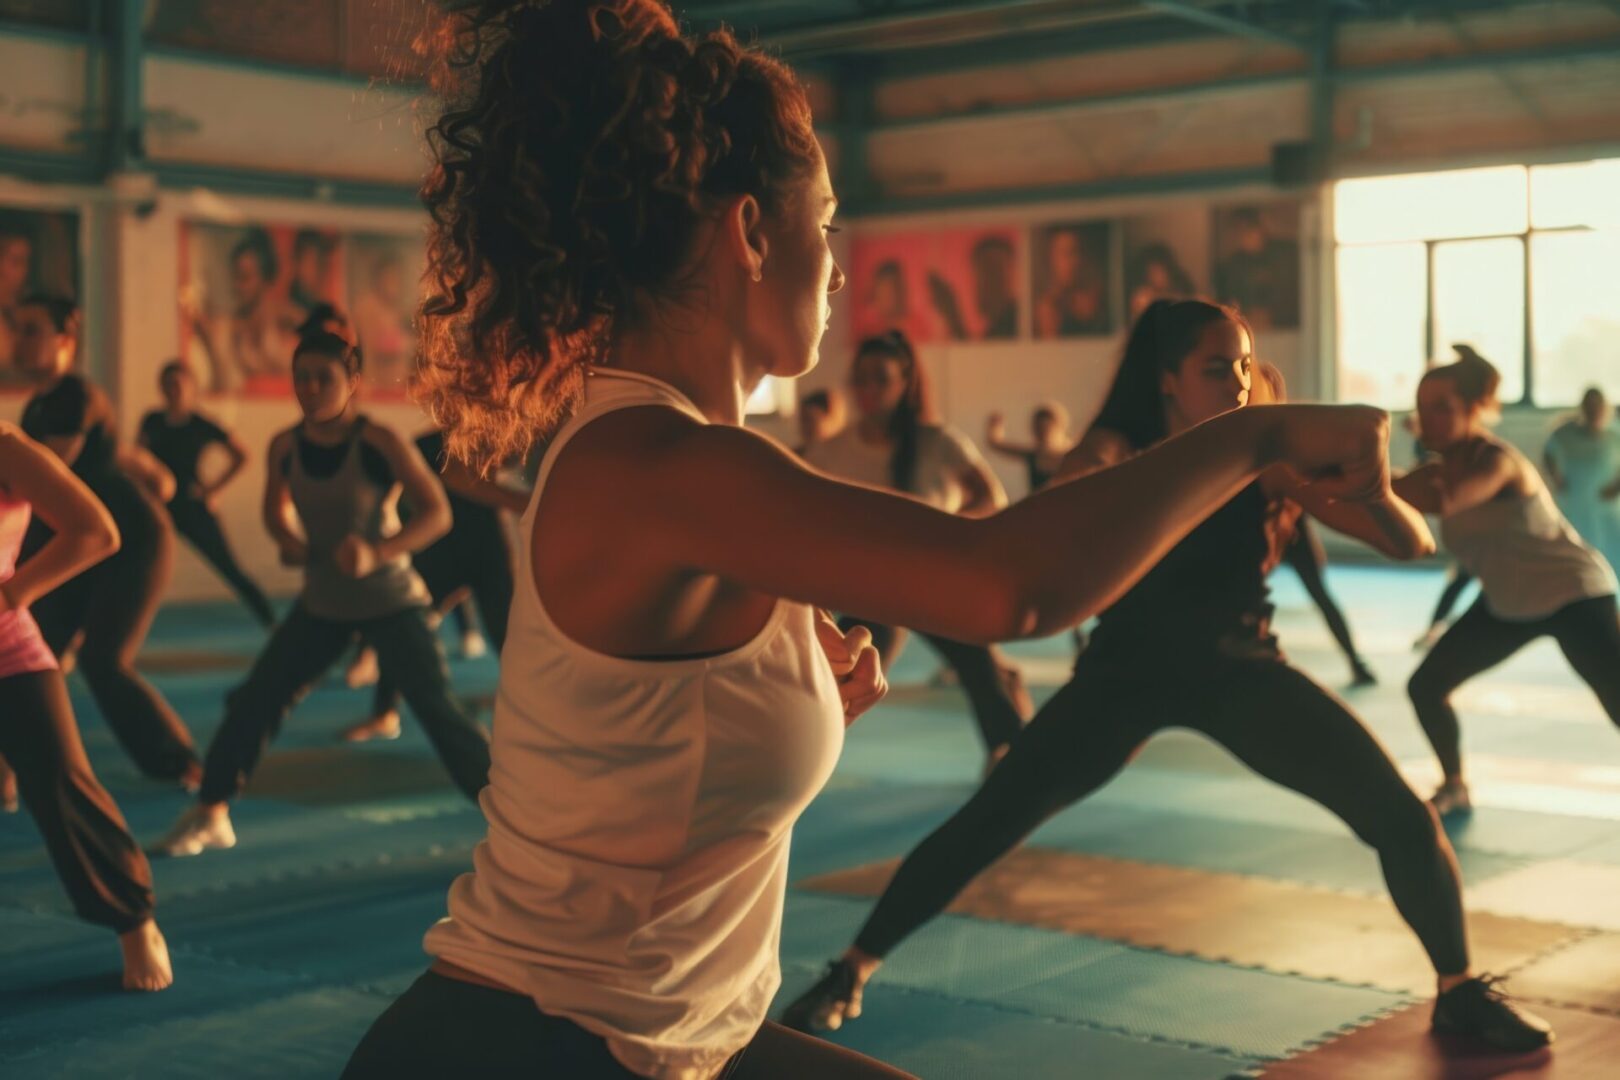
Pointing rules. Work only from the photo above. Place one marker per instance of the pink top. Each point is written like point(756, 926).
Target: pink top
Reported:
point(21, 648)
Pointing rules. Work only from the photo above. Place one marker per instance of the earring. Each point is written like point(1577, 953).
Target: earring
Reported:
point(757, 274)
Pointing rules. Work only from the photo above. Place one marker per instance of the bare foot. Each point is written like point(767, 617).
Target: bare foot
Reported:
point(363, 671)
point(384, 726)
point(146, 958)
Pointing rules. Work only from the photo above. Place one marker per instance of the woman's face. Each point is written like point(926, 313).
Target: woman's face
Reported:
point(43, 351)
point(1064, 257)
point(1444, 419)
point(323, 386)
point(16, 255)
point(787, 310)
point(878, 383)
point(1214, 378)
point(1594, 409)
point(179, 391)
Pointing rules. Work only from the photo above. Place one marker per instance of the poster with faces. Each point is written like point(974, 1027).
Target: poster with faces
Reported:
point(952, 285)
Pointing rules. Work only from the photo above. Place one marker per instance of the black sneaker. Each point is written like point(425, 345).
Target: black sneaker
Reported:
point(813, 1011)
point(1477, 1010)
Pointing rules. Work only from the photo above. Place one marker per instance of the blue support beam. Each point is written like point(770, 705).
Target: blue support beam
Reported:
point(1113, 187)
point(126, 105)
point(1228, 24)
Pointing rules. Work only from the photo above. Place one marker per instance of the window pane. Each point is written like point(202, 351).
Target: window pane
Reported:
point(1381, 320)
point(1431, 206)
point(1479, 300)
point(1575, 301)
point(1580, 193)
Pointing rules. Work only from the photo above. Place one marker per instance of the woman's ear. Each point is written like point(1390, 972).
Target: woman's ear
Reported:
point(745, 236)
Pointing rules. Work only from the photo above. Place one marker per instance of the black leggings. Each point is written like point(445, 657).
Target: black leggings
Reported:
point(1588, 631)
point(481, 564)
point(1309, 559)
point(101, 867)
point(984, 678)
point(112, 604)
point(1270, 716)
point(194, 521)
point(1460, 579)
point(447, 1027)
point(299, 652)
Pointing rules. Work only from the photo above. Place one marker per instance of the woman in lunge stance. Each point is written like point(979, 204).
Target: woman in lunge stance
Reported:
point(630, 232)
point(1190, 645)
point(1537, 577)
point(344, 476)
point(98, 862)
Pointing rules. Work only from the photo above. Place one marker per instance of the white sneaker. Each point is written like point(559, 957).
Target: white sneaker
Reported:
point(473, 645)
point(194, 832)
point(1451, 797)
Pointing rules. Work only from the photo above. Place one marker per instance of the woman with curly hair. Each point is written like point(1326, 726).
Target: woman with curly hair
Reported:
point(630, 232)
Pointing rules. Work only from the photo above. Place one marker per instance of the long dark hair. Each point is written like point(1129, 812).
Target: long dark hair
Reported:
point(1164, 334)
point(580, 144)
point(915, 409)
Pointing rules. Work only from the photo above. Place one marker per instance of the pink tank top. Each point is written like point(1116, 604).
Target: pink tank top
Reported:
point(21, 648)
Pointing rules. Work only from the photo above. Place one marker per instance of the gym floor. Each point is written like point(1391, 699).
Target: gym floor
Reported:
point(1188, 921)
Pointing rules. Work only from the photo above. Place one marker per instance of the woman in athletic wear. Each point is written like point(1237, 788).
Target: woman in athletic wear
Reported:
point(112, 604)
point(473, 557)
point(1049, 424)
point(631, 230)
point(1582, 459)
point(1537, 577)
point(177, 435)
point(1190, 645)
point(100, 866)
point(898, 443)
point(1305, 553)
point(344, 476)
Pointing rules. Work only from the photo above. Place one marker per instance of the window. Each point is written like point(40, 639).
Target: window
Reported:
point(1519, 262)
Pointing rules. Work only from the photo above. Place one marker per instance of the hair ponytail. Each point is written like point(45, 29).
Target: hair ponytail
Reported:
point(1164, 334)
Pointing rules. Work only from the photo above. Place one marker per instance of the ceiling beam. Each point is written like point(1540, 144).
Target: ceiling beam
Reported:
point(1216, 19)
point(1111, 187)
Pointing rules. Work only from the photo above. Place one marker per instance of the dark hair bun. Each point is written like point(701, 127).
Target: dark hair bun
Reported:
point(1476, 378)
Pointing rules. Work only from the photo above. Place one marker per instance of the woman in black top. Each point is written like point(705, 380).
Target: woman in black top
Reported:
point(1190, 645)
point(177, 435)
point(1049, 424)
point(113, 603)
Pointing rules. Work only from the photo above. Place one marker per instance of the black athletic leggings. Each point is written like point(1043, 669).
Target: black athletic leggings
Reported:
point(1588, 632)
point(112, 604)
point(480, 564)
point(1270, 716)
point(299, 652)
point(194, 521)
point(101, 867)
point(447, 1027)
point(1308, 557)
point(981, 674)
point(1460, 579)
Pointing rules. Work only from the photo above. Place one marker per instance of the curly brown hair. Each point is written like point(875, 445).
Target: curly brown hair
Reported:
point(579, 146)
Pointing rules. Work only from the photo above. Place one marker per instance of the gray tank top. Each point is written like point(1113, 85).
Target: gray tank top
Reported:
point(1528, 559)
point(334, 507)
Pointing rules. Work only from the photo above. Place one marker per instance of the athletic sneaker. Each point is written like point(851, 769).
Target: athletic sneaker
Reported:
point(1361, 675)
point(1478, 1010)
point(1451, 797)
point(196, 831)
point(815, 1009)
point(473, 645)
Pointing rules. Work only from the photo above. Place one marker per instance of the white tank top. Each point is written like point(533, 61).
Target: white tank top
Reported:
point(1528, 559)
point(634, 872)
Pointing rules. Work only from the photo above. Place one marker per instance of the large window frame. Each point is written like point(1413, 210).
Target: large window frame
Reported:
point(1435, 350)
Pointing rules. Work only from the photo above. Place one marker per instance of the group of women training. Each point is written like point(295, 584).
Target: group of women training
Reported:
point(630, 229)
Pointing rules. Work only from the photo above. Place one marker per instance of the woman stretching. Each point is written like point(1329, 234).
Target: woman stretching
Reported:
point(1049, 424)
point(1537, 577)
point(630, 229)
point(473, 557)
point(1190, 645)
point(344, 476)
point(113, 603)
point(103, 870)
point(898, 444)
point(177, 435)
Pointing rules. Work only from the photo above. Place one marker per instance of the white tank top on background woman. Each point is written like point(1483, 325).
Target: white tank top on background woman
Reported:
point(634, 873)
point(1528, 559)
